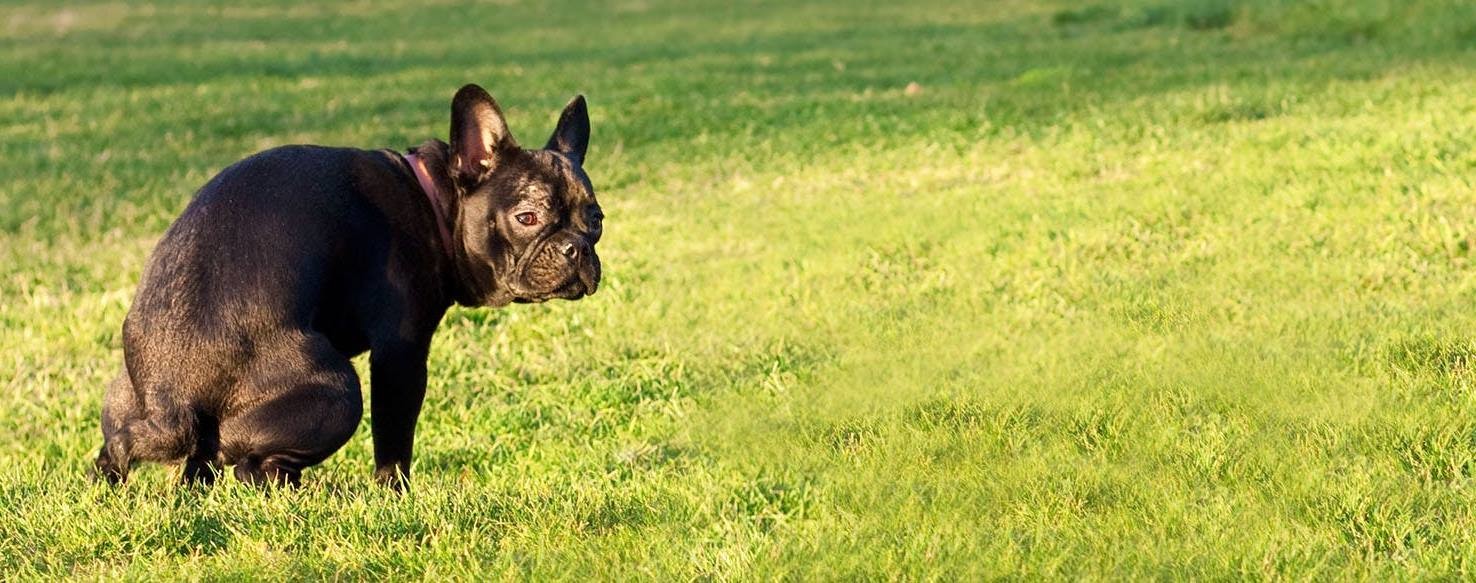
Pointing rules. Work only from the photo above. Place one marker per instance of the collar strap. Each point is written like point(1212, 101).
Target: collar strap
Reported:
point(434, 195)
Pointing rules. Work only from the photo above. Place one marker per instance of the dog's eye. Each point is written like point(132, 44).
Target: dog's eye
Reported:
point(527, 219)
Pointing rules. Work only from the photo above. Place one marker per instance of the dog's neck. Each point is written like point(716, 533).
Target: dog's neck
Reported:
point(436, 197)
point(468, 283)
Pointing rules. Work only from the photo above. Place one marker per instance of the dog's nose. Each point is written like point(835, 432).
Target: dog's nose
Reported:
point(570, 250)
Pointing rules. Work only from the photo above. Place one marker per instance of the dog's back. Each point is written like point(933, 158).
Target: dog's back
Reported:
point(229, 298)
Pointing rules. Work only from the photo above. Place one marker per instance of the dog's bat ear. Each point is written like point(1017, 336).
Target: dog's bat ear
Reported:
point(479, 133)
point(571, 137)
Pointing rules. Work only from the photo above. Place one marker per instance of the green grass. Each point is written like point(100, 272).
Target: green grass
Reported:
point(1150, 289)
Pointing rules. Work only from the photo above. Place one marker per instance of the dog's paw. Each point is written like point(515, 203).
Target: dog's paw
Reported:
point(104, 470)
point(393, 478)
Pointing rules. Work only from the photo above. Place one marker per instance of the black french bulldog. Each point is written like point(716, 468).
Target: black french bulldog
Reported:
point(286, 264)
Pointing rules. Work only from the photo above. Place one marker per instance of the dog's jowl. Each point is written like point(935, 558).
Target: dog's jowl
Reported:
point(286, 264)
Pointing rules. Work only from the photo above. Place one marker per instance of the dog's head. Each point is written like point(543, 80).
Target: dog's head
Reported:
point(525, 222)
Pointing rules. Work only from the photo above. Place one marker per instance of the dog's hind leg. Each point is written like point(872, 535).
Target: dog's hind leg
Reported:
point(306, 405)
point(142, 428)
point(119, 405)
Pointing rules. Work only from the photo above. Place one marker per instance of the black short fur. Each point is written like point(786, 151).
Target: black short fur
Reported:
point(286, 264)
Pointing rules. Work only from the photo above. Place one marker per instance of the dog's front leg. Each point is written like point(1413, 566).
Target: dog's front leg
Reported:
point(397, 387)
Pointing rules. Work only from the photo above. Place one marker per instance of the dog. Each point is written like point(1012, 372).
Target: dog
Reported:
point(290, 262)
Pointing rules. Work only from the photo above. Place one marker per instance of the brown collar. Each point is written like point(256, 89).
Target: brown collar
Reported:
point(434, 195)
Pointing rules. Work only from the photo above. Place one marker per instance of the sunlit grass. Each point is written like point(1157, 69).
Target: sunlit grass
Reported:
point(1137, 289)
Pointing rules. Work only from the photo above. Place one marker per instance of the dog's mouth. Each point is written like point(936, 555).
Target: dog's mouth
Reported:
point(570, 281)
point(574, 290)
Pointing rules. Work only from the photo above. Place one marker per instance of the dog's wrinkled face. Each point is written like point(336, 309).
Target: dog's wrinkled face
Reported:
point(527, 220)
point(542, 223)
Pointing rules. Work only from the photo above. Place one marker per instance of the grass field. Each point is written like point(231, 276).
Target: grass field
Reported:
point(1151, 289)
